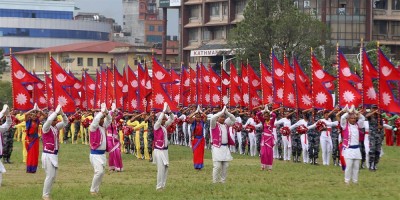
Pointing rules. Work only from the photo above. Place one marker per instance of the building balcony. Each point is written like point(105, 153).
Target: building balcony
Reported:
point(387, 39)
point(193, 2)
point(391, 15)
point(211, 1)
point(217, 21)
point(194, 22)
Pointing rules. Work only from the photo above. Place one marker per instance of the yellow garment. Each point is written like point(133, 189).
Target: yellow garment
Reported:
point(85, 131)
point(62, 132)
point(137, 140)
point(20, 128)
point(134, 125)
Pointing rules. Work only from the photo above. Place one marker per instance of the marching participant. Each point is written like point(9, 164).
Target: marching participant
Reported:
point(8, 138)
point(302, 129)
point(32, 119)
point(98, 131)
point(198, 142)
point(376, 134)
point(351, 122)
point(4, 127)
point(113, 144)
point(220, 140)
point(287, 146)
point(161, 146)
point(51, 144)
point(267, 138)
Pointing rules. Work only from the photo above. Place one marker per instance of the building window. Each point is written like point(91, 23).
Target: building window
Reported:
point(219, 33)
point(224, 8)
point(151, 28)
point(160, 29)
point(380, 27)
point(396, 4)
point(396, 28)
point(154, 38)
point(90, 62)
point(100, 61)
point(193, 35)
point(194, 12)
point(80, 61)
point(206, 34)
point(240, 5)
point(380, 4)
point(214, 10)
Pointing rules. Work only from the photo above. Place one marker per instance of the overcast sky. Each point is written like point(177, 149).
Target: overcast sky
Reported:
point(113, 9)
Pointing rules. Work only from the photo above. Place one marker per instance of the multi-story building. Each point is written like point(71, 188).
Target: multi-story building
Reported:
point(33, 24)
point(206, 24)
point(205, 27)
point(141, 21)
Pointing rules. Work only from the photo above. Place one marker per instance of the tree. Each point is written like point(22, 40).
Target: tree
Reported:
point(278, 25)
point(5, 93)
point(371, 48)
point(3, 63)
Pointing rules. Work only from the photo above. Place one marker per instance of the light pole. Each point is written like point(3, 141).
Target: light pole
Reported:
point(359, 55)
point(224, 61)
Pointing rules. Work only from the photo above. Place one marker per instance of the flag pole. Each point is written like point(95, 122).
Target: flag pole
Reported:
point(362, 71)
point(337, 73)
point(379, 85)
point(12, 86)
point(262, 86)
point(312, 84)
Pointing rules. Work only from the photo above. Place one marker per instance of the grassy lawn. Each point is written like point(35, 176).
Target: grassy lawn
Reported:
point(245, 180)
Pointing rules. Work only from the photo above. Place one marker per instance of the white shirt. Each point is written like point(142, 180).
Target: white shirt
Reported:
point(284, 121)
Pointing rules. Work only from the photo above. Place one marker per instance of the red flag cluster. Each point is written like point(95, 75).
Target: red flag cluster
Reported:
point(285, 85)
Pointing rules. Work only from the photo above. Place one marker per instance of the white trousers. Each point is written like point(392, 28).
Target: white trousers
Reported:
point(220, 170)
point(232, 147)
point(366, 145)
point(189, 131)
point(275, 149)
point(162, 173)
point(326, 147)
point(185, 134)
point(239, 137)
point(98, 162)
point(51, 173)
point(352, 168)
point(304, 147)
point(287, 147)
point(253, 144)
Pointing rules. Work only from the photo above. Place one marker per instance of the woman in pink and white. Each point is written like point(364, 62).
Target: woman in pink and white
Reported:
point(97, 138)
point(220, 140)
point(267, 118)
point(351, 122)
point(51, 144)
point(160, 154)
point(3, 128)
point(113, 143)
point(287, 142)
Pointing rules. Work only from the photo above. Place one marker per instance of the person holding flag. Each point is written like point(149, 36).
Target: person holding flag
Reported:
point(51, 145)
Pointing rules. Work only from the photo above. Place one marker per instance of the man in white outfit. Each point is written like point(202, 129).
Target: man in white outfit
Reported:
point(51, 146)
point(220, 140)
point(252, 136)
point(287, 143)
point(3, 128)
point(161, 145)
point(239, 135)
point(303, 137)
point(98, 133)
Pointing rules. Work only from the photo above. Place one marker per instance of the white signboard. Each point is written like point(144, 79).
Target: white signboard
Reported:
point(205, 53)
point(175, 3)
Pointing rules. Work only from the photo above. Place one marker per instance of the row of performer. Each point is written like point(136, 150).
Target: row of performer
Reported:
point(349, 135)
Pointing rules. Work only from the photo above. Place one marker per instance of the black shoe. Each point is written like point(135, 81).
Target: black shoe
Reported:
point(8, 160)
point(375, 167)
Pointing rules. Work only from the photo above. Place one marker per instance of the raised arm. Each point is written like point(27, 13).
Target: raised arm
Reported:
point(361, 120)
point(157, 125)
point(343, 120)
point(214, 118)
point(231, 118)
point(96, 120)
point(50, 119)
point(170, 119)
point(4, 127)
point(63, 123)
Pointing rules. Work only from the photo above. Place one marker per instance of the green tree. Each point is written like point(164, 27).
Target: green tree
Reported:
point(278, 25)
point(5, 93)
point(371, 48)
point(3, 63)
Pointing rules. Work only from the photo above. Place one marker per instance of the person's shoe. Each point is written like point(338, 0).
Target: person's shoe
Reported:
point(94, 193)
point(46, 198)
point(8, 160)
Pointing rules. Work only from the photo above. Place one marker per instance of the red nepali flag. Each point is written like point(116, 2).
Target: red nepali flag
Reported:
point(204, 86)
point(320, 76)
point(304, 100)
point(225, 83)
point(185, 87)
point(22, 98)
point(77, 92)
point(266, 84)
point(103, 86)
point(89, 88)
point(193, 87)
point(61, 81)
point(245, 86)
point(119, 83)
point(49, 91)
point(289, 98)
point(322, 99)
point(369, 73)
point(39, 94)
point(98, 91)
point(215, 88)
point(175, 88)
point(131, 90)
point(278, 77)
point(387, 73)
point(110, 98)
point(162, 79)
point(254, 83)
point(235, 94)
point(348, 94)
point(145, 89)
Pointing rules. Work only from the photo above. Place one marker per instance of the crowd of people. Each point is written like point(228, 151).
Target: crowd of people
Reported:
point(352, 137)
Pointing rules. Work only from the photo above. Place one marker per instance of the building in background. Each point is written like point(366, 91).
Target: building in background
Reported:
point(205, 27)
point(33, 24)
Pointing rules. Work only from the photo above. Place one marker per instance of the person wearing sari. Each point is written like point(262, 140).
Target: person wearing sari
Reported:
point(113, 144)
point(32, 119)
point(197, 121)
point(267, 118)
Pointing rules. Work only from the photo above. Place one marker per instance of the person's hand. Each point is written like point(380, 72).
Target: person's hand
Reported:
point(58, 109)
point(113, 107)
point(165, 107)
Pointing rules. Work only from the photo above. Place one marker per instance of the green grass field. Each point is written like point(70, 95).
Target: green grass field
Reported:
point(245, 180)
